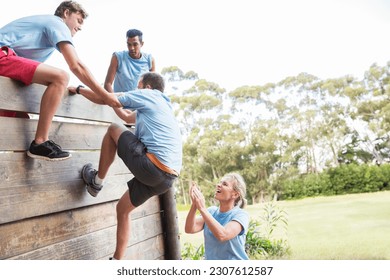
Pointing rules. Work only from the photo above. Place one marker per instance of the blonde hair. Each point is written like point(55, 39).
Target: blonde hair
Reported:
point(239, 186)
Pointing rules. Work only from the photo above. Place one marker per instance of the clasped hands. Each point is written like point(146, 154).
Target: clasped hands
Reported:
point(197, 197)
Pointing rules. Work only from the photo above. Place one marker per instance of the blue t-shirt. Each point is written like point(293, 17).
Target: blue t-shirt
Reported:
point(35, 37)
point(233, 249)
point(156, 126)
point(129, 70)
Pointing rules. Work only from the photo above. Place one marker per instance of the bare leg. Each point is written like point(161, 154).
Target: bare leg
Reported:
point(56, 81)
point(109, 148)
point(123, 210)
point(124, 206)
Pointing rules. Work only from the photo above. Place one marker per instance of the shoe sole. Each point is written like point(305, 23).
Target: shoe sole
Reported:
point(89, 189)
point(47, 158)
point(92, 192)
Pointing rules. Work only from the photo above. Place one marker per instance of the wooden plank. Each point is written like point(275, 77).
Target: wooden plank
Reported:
point(94, 245)
point(31, 187)
point(45, 211)
point(31, 234)
point(149, 249)
point(15, 96)
point(70, 136)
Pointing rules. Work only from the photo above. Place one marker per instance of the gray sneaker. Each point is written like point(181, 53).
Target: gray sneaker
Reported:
point(88, 174)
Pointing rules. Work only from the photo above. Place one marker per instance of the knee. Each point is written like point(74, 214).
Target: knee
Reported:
point(64, 78)
point(61, 79)
point(122, 212)
point(112, 128)
point(114, 131)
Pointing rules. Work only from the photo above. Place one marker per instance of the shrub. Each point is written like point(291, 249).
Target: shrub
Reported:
point(191, 252)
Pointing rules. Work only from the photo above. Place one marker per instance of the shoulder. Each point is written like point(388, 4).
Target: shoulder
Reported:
point(120, 54)
point(147, 56)
point(51, 21)
point(46, 21)
point(212, 209)
point(240, 214)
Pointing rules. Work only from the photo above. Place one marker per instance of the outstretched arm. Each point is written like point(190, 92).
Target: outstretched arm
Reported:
point(89, 94)
point(127, 115)
point(85, 76)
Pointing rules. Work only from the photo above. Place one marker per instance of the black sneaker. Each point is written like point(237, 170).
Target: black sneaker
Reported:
point(89, 174)
point(48, 151)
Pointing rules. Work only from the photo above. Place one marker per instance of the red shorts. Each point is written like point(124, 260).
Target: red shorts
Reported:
point(13, 114)
point(16, 67)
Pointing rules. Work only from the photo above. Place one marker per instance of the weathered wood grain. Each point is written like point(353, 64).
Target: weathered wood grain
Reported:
point(14, 96)
point(31, 187)
point(18, 134)
point(96, 244)
point(38, 232)
point(45, 210)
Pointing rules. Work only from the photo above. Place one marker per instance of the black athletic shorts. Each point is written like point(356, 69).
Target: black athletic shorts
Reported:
point(148, 179)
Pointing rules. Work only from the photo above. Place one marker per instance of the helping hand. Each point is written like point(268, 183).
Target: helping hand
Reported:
point(72, 90)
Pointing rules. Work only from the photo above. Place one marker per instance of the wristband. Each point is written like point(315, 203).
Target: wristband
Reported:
point(78, 89)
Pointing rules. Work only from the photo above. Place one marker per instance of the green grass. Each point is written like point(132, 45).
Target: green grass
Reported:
point(348, 227)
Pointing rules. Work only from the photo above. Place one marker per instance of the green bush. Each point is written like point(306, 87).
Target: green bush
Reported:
point(260, 243)
point(191, 252)
point(344, 179)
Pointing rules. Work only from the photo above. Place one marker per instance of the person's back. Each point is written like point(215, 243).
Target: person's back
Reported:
point(35, 37)
point(156, 125)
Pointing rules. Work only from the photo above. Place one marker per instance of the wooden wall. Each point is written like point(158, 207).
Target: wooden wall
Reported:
point(45, 211)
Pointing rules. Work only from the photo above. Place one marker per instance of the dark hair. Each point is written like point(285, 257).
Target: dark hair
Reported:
point(72, 6)
point(134, 32)
point(154, 80)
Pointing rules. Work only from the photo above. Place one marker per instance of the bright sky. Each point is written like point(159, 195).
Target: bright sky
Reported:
point(230, 42)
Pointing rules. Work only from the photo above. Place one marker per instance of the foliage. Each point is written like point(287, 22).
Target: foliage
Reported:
point(287, 139)
point(191, 252)
point(344, 179)
point(260, 243)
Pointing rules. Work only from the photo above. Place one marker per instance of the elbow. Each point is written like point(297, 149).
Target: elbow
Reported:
point(108, 87)
point(188, 229)
point(222, 237)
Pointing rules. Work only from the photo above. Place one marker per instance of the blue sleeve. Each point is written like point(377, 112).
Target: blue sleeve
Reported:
point(242, 217)
point(133, 100)
point(57, 32)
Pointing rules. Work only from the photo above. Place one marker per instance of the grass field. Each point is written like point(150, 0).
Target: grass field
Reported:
point(348, 227)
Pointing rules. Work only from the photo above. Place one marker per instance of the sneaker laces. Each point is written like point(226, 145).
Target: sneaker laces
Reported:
point(55, 146)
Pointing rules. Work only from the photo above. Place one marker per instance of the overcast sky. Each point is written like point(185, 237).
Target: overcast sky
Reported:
point(233, 43)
